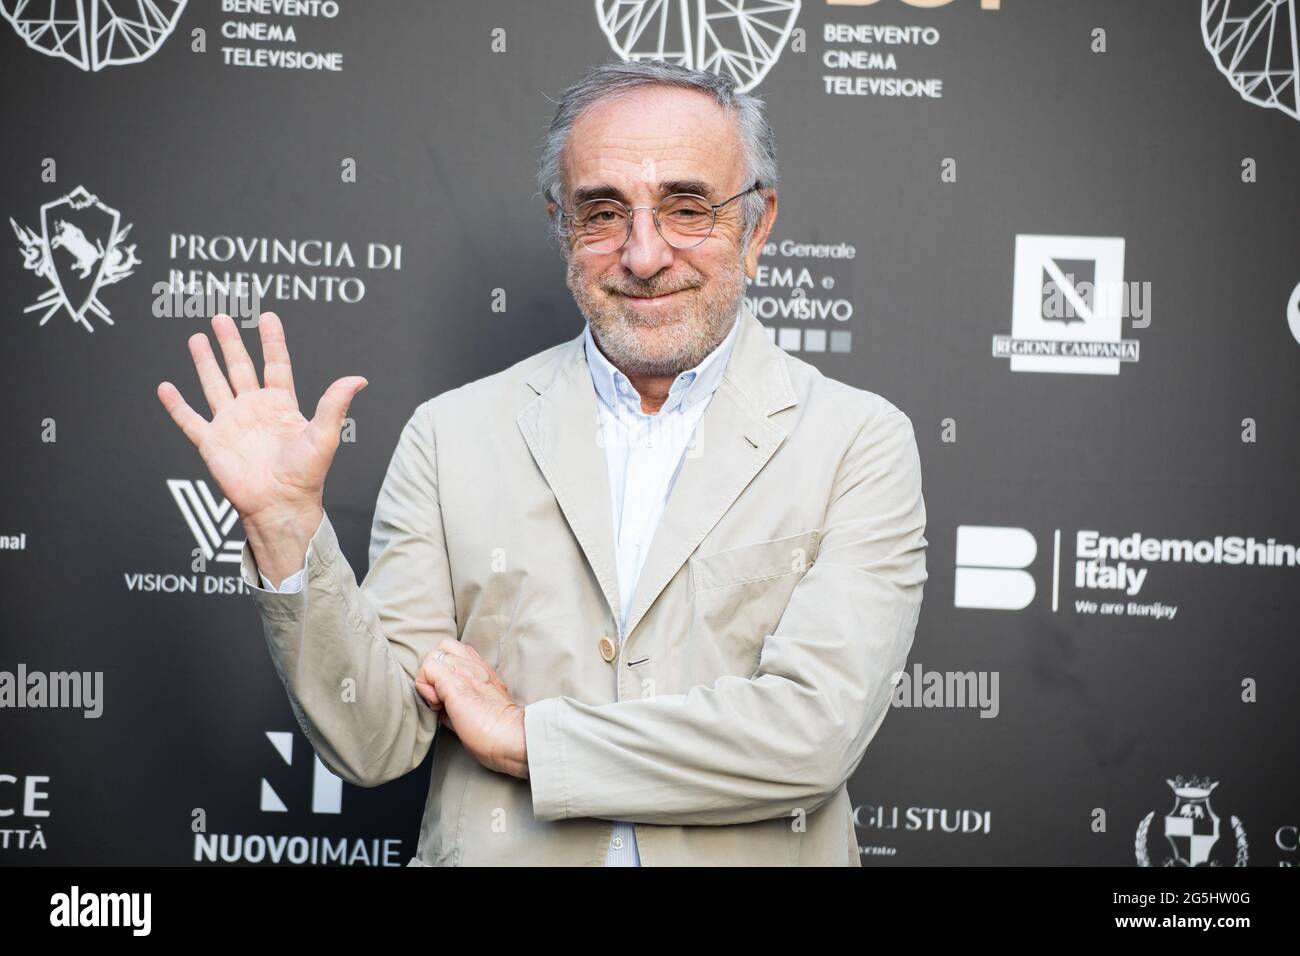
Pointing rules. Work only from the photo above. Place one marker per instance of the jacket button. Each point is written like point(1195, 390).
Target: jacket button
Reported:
point(607, 649)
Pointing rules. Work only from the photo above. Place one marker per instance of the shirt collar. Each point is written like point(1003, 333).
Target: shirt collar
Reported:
point(690, 386)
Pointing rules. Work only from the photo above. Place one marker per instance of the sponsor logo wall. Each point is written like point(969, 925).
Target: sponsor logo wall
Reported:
point(1061, 236)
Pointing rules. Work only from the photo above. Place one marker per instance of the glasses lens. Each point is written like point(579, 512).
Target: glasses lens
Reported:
point(685, 220)
point(601, 224)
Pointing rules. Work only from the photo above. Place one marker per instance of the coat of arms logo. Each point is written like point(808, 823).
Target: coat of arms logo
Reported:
point(80, 249)
point(1191, 827)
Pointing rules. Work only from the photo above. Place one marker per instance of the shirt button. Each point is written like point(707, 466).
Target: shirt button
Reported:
point(617, 843)
point(607, 649)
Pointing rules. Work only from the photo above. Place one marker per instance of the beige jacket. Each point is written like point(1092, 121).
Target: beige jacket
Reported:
point(779, 596)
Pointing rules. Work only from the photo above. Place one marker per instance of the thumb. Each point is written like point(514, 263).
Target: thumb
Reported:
point(428, 693)
point(333, 406)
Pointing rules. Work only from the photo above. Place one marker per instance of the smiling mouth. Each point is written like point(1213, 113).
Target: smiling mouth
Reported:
point(652, 299)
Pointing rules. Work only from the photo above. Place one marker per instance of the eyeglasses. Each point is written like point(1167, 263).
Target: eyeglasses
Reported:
point(684, 220)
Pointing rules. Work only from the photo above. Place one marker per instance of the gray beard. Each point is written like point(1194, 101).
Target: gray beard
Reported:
point(699, 324)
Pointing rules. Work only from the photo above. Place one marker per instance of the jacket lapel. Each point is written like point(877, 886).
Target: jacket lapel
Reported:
point(734, 440)
point(561, 428)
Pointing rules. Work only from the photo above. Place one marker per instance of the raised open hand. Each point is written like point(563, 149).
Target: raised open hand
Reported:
point(268, 460)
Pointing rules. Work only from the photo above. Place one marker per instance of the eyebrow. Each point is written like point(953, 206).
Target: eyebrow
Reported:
point(666, 188)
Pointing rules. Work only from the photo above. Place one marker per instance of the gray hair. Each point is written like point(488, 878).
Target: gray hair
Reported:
point(617, 77)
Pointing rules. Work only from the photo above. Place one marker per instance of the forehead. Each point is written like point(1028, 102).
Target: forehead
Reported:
point(639, 139)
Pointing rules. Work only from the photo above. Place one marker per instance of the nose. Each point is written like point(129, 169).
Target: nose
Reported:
point(646, 253)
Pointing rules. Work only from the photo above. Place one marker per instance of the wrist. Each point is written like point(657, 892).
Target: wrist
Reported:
point(279, 539)
point(518, 758)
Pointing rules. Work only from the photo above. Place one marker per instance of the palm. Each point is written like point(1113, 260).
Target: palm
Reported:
point(260, 451)
point(265, 456)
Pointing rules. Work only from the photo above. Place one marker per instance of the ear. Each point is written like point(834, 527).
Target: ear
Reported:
point(761, 232)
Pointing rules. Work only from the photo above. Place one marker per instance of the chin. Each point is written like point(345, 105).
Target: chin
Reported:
point(659, 338)
point(649, 323)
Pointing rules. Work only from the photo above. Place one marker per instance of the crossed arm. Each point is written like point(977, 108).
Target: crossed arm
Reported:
point(739, 750)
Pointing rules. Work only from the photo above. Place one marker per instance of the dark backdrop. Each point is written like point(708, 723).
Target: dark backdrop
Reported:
point(1053, 130)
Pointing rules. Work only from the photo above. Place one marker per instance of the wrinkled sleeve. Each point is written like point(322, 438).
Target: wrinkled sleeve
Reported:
point(348, 654)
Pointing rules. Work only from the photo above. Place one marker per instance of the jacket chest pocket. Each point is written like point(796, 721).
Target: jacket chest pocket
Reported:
point(737, 599)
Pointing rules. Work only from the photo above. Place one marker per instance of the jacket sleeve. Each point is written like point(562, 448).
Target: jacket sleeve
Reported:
point(786, 739)
point(348, 654)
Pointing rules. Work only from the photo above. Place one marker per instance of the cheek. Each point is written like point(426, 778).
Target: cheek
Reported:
point(584, 276)
point(717, 264)
point(576, 278)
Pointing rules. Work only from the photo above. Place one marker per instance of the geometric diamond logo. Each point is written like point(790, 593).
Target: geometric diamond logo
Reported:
point(94, 34)
point(1256, 45)
point(714, 36)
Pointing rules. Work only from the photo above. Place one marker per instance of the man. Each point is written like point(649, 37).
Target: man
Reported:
point(646, 588)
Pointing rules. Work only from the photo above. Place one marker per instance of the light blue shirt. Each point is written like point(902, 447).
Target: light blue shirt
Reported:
point(644, 454)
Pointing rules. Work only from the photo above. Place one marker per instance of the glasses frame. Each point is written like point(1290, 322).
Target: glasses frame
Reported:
point(570, 218)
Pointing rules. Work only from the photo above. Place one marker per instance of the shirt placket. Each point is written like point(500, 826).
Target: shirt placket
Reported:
point(638, 495)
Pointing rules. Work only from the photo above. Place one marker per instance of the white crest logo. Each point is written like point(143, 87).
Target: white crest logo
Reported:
point(1255, 44)
point(209, 520)
point(80, 249)
point(1061, 322)
point(1191, 827)
point(715, 36)
point(94, 34)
